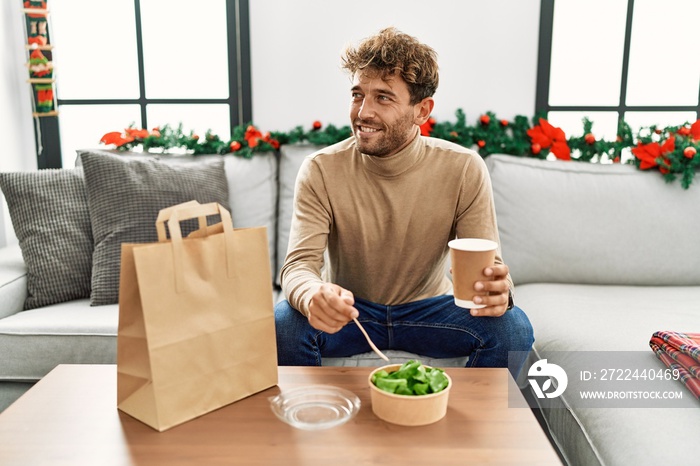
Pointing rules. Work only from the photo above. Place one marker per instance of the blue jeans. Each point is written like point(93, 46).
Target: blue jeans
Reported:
point(433, 327)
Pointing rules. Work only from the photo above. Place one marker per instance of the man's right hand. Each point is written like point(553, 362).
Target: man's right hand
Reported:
point(331, 308)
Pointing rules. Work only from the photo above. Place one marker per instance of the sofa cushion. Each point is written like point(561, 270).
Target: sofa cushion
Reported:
point(125, 195)
point(291, 158)
point(49, 213)
point(569, 222)
point(597, 316)
point(33, 342)
point(252, 185)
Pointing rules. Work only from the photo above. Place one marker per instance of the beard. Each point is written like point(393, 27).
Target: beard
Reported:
point(390, 140)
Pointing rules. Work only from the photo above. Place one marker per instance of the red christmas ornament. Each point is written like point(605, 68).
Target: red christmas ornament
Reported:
point(316, 125)
point(589, 138)
point(535, 148)
point(235, 146)
point(683, 131)
point(481, 143)
point(485, 119)
point(504, 122)
point(689, 152)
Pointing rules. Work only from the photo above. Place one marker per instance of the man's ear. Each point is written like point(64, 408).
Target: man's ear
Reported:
point(422, 110)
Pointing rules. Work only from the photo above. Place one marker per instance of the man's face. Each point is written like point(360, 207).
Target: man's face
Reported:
point(383, 119)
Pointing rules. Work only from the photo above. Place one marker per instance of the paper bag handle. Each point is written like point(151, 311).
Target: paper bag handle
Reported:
point(164, 215)
point(200, 211)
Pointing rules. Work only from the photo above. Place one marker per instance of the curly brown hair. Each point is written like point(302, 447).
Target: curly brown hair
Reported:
point(391, 53)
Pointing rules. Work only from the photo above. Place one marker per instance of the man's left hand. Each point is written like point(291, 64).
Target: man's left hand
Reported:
point(497, 300)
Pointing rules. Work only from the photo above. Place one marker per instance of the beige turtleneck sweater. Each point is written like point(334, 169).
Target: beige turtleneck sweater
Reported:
point(384, 222)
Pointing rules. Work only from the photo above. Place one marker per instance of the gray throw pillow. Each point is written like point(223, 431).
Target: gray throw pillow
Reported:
point(49, 212)
point(125, 194)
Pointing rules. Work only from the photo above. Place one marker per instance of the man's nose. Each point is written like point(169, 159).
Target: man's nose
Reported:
point(366, 110)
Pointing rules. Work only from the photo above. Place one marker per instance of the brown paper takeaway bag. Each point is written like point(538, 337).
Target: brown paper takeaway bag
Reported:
point(196, 320)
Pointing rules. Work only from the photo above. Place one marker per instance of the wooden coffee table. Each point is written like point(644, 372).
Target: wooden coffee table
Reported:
point(70, 418)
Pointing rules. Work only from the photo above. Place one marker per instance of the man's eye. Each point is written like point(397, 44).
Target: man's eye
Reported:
point(356, 96)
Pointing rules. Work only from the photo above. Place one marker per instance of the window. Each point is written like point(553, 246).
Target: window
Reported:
point(146, 62)
point(611, 59)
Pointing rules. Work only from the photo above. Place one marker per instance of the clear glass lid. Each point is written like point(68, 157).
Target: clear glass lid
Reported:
point(315, 407)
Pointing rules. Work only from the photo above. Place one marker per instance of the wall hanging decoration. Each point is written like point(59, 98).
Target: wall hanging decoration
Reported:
point(39, 58)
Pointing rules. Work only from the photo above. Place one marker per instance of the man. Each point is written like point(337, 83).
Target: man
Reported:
point(372, 218)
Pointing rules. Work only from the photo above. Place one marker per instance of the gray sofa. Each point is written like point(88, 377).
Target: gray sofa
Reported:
point(602, 256)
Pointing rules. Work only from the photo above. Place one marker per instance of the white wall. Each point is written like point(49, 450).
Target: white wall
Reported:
point(18, 147)
point(487, 52)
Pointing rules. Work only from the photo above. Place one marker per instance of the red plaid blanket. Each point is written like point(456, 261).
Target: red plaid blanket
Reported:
point(680, 351)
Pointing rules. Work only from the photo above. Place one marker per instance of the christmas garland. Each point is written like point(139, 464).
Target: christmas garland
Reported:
point(671, 150)
point(245, 141)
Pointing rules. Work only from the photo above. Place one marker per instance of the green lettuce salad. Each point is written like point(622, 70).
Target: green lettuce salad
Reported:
point(412, 378)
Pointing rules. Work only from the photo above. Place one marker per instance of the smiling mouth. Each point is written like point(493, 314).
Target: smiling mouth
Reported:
point(367, 129)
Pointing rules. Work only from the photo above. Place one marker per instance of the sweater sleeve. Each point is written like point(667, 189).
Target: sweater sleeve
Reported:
point(308, 238)
point(476, 216)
